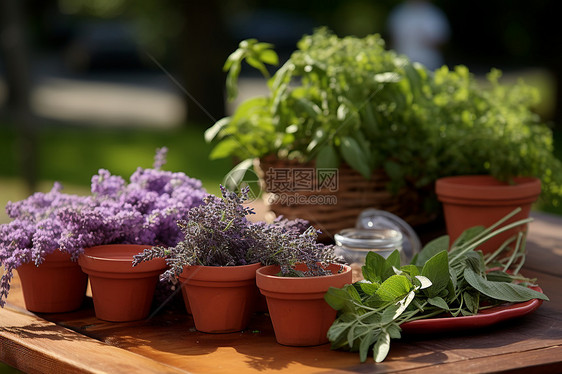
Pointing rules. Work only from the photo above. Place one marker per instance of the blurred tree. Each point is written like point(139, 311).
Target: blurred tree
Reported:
point(13, 52)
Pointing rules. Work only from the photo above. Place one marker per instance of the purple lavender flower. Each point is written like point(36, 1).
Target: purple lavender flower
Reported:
point(143, 211)
point(218, 233)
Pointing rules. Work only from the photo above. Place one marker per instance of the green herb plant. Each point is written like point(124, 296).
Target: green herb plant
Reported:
point(458, 282)
point(350, 100)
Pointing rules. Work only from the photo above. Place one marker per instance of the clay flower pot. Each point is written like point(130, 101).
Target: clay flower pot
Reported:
point(299, 314)
point(221, 298)
point(120, 291)
point(58, 285)
point(481, 200)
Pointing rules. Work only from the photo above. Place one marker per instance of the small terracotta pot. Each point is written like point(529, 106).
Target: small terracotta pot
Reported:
point(120, 291)
point(299, 314)
point(481, 200)
point(58, 285)
point(221, 298)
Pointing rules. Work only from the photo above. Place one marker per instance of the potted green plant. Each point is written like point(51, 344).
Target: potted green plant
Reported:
point(387, 124)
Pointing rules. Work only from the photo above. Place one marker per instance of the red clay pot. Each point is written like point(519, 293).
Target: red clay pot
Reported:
point(120, 291)
point(299, 314)
point(481, 200)
point(221, 298)
point(58, 285)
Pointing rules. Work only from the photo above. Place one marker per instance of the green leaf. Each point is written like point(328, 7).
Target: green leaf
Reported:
point(431, 249)
point(224, 148)
point(471, 301)
point(381, 347)
point(412, 270)
point(327, 158)
point(342, 298)
point(214, 130)
point(374, 268)
point(366, 342)
point(394, 288)
point(393, 330)
point(393, 260)
point(500, 290)
point(351, 153)
point(369, 288)
point(269, 56)
point(499, 276)
point(438, 302)
point(437, 270)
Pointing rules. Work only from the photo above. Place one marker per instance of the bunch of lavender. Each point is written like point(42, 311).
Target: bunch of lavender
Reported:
point(218, 233)
point(286, 244)
point(35, 230)
point(144, 211)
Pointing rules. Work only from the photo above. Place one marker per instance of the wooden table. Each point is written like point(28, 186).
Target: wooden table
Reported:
point(168, 342)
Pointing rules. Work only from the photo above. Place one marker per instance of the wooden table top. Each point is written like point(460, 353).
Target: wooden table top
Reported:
point(168, 342)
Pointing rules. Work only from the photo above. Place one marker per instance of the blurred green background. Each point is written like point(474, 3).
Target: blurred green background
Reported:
point(89, 84)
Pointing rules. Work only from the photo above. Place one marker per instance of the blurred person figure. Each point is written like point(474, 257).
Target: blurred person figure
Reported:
point(417, 29)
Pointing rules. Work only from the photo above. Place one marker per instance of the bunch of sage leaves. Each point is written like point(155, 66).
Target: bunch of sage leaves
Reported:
point(459, 281)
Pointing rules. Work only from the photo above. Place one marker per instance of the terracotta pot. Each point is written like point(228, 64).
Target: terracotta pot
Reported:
point(120, 291)
point(221, 298)
point(58, 285)
point(481, 200)
point(299, 314)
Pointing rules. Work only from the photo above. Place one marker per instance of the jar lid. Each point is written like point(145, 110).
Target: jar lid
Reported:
point(361, 239)
point(374, 219)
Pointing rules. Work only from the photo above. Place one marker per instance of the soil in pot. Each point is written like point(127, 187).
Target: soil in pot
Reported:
point(299, 314)
point(221, 298)
point(481, 200)
point(58, 285)
point(120, 291)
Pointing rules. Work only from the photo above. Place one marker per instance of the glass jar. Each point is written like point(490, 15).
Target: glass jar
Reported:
point(354, 244)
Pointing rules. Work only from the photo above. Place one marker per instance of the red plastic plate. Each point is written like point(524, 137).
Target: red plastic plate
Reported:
point(484, 318)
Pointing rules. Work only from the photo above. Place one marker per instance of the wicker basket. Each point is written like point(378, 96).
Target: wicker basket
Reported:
point(290, 191)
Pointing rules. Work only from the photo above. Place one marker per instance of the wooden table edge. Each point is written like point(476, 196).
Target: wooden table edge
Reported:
point(60, 350)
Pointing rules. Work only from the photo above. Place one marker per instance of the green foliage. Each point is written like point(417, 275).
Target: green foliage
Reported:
point(371, 311)
point(349, 99)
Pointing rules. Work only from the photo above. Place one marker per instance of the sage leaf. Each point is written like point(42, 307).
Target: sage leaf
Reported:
point(394, 288)
point(381, 347)
point(403, 304)
point(471, 302)
point(431, 249)
point(374, 268)
point(438, 302)
point(366, 342)
point(510, 292)
point(369, 288)
point(437, 270)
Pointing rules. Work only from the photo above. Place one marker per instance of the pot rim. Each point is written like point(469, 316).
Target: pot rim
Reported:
point(486, 187)
point(118, 258)
point(267, 280)
point(219, 273)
